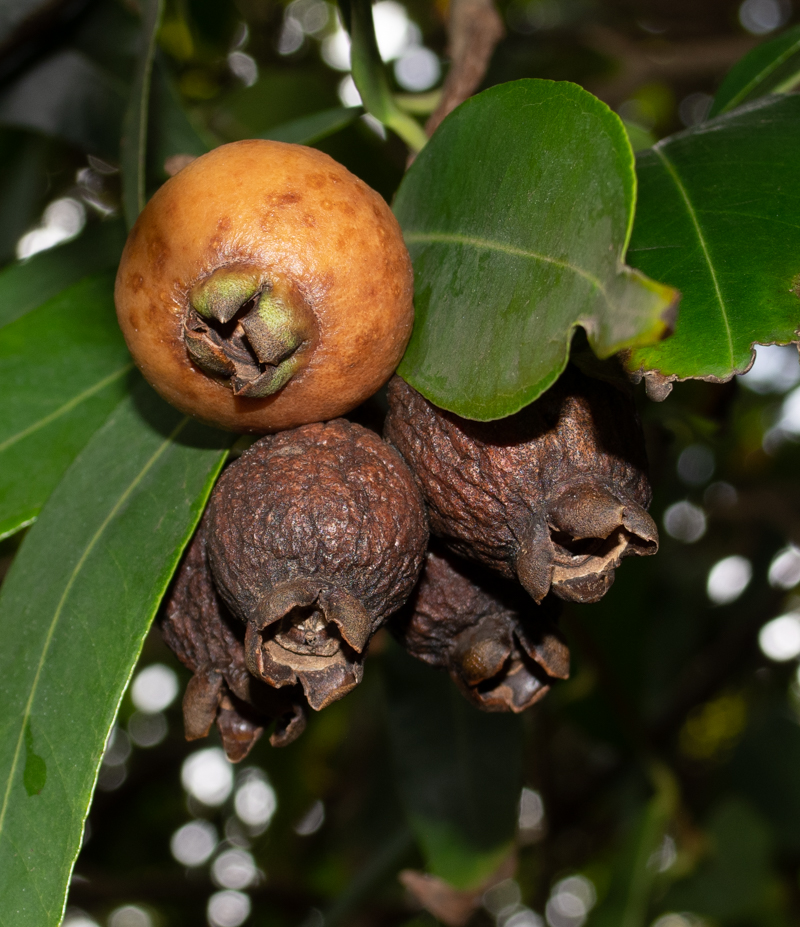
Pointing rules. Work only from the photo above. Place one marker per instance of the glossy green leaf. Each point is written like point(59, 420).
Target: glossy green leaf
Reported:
point(70, 97)
point(458, 771)
point(717, 218)
point(27, 284)
point(74, 611)
point(134, 131)
point(63, 368)
point(773, 67)
point(517, 215)
point(310, 129)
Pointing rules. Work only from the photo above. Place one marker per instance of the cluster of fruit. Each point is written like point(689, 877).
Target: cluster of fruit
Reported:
point(265, 289)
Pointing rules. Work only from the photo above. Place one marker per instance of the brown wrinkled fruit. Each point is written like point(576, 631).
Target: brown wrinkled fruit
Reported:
point(315, 537)
point(500, 649)
point(554, 495)
point(264, 286)
point(210, 642)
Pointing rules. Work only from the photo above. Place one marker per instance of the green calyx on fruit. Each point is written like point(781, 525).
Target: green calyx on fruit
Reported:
point(247, 330)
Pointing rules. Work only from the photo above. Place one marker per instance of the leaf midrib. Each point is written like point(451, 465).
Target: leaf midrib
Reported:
point(769, 69)
point(674, 176)
point(67, 407)
point(62, 601)
point(453, 238)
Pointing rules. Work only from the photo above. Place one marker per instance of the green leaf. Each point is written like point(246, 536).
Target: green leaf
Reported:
point(458, 771)
point(634, 875)
point(773, 67)
point(736, 880)
point(517, 215)
point(27, 284)
point(134, 133)
point(717, 218)
point(63, 368)
point(67, 96)
point(171, 128)
point(370, 77)
point(310, 129)
point(74, 611)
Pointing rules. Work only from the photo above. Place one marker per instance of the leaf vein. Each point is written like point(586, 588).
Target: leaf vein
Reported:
point(452, 238)
point(670, 169)
point(62, 601)
point(67, 407)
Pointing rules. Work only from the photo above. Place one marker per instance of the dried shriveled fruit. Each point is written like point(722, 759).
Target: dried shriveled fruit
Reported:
point(316, 536)
point(554, 495)
point(264, 286)
point(210, 642)
point(500, 649)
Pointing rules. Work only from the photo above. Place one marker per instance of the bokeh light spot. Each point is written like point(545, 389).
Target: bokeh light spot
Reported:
point(208, 776)
point(154, 688)
point(228, 909)
point(685, 522)
point(779, 639)
point(194, 843)
point(728, 579)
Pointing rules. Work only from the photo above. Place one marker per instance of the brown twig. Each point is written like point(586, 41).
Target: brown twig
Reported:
point(642, 62)
point(474, 28)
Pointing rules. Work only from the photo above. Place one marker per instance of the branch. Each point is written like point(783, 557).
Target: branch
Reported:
point(474, 28)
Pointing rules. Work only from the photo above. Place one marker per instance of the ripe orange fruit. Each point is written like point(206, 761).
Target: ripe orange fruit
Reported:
point(265, 287)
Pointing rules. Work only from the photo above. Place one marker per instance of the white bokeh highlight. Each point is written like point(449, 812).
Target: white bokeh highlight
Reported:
point(207, 775)
point(62, 220)
point(728, 579)
point(193, 844)
point(228, 909)
point(779, 639)
point(255, 801)
point(234, 868)
point(685, 522)
point(130, 915)
point(784, 571)
point(154, 688)
point(775, 369)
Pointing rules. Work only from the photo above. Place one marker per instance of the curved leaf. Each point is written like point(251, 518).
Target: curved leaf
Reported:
point(74, 611)
point(718, 219)
point(134, 133)
point(517, 215)
point(63, 368)
point(773, 67)
point(369, 74)
point(28, 284)
point(310, 129)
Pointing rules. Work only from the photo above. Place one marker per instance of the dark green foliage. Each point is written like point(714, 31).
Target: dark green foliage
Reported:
point(668, 763)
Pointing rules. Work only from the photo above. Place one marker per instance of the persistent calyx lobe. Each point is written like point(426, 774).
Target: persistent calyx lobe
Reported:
point(312, 539)
point(555, 495)
point(248, 330)
point(501, 649)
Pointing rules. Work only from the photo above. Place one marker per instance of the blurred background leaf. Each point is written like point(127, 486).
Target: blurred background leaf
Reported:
point(773, 67)
point(457, 770)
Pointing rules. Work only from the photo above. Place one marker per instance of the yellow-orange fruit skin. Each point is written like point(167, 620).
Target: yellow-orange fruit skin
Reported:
point(301, 217)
